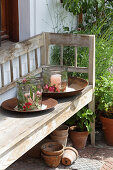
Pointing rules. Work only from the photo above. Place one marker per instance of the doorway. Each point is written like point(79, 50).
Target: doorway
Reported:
point(9, 20)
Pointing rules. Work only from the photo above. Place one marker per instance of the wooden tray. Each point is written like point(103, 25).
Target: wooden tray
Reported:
point(10, 104)
point(73, 82)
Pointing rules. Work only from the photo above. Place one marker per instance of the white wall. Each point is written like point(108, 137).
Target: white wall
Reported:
point(37, 16)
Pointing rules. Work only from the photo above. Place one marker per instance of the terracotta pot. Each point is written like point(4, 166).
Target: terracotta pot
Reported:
point(107, 126)
point(52, 161)
point(60, 139)
point(52, 148)
point(69, 156)
point(61, 131)
point(79, 139)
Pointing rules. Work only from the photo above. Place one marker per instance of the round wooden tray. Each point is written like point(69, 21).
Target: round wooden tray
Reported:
point(73, 82)
point(10, 104)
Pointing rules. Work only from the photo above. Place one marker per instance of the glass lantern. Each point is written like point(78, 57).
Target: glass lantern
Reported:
point(29, 94)
point(54, 79)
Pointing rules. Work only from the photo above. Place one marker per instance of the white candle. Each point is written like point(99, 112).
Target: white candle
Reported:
point(56, 80)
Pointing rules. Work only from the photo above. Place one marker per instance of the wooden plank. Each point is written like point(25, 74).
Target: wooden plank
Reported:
point(91, 78)
point(78, 69)
point(76, 57)
point(21, 48)
point(3, 89)
point(42, 56)
point(72, 69)
point(11, 70)
point(28, 131)
point(61, 57)
point(69, 39)
point(2, 75)
point(36, 59)
point(20, 67)
point(46, 47)
point(91, 67)
point(28, 62)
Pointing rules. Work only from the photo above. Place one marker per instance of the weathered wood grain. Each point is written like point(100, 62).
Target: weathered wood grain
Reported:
point(21, 48)
point(78, 40)
point(91, 78)
point(61, 57)
point(28, 130)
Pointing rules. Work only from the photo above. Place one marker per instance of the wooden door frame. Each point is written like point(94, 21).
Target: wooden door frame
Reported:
point(10, 19)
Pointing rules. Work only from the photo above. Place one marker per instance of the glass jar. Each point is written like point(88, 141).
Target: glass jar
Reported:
point(29, 94)
point(54, 79)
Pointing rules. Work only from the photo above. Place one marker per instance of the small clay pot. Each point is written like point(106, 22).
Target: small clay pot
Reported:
point(78, 139)
point(61, 131)
point(60, 139)
point(52, 161)
point(69, 156)
point(52, 148)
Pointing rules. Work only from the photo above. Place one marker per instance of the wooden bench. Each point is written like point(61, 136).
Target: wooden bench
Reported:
point(20, 132)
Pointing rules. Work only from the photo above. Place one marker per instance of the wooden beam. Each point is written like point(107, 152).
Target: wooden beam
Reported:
point(21, 48)
point(78, 40)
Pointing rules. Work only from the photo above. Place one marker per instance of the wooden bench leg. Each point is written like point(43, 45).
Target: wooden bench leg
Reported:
point(92, 107)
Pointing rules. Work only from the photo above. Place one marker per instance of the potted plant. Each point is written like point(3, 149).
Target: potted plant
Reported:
point(81, 128)
point(104, 103)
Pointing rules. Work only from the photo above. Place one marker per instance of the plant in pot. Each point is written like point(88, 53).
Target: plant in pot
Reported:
point(104, 105)
point(80, 127)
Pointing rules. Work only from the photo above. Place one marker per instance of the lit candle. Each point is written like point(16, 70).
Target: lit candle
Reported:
point(56, 80)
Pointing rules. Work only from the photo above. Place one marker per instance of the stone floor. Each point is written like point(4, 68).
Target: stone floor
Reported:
point(99, 157)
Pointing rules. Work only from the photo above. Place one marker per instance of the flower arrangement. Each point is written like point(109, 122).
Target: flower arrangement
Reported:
point(29, 94)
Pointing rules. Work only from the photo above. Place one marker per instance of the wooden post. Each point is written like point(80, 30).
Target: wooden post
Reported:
point(61, 58)
point(91, 75)
point(11, 70)
point(20, 67)
point(36, 59)
point(76, 57)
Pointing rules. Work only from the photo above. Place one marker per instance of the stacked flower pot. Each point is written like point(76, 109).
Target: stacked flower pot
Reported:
point(60, 135)
point(52, 153)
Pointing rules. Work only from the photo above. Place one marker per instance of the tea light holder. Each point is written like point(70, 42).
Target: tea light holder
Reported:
point(54, 79)
point(29, 94)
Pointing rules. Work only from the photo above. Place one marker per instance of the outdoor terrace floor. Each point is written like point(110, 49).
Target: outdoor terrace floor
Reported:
point(99, 157)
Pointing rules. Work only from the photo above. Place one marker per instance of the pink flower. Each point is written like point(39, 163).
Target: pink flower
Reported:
point(38, 93)
point(51, 89)
point(46, 87)
point(24, 80)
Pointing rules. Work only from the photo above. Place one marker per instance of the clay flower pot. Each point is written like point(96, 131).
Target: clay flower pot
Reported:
point(52, 161)
point(69, 156)
point(60, 135)
point(60, 139)
point(107, 126)
point(79, 139)
point(61, 131)
point(52, 148)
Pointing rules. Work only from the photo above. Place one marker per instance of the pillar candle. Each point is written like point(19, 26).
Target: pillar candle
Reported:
point(56, 80)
